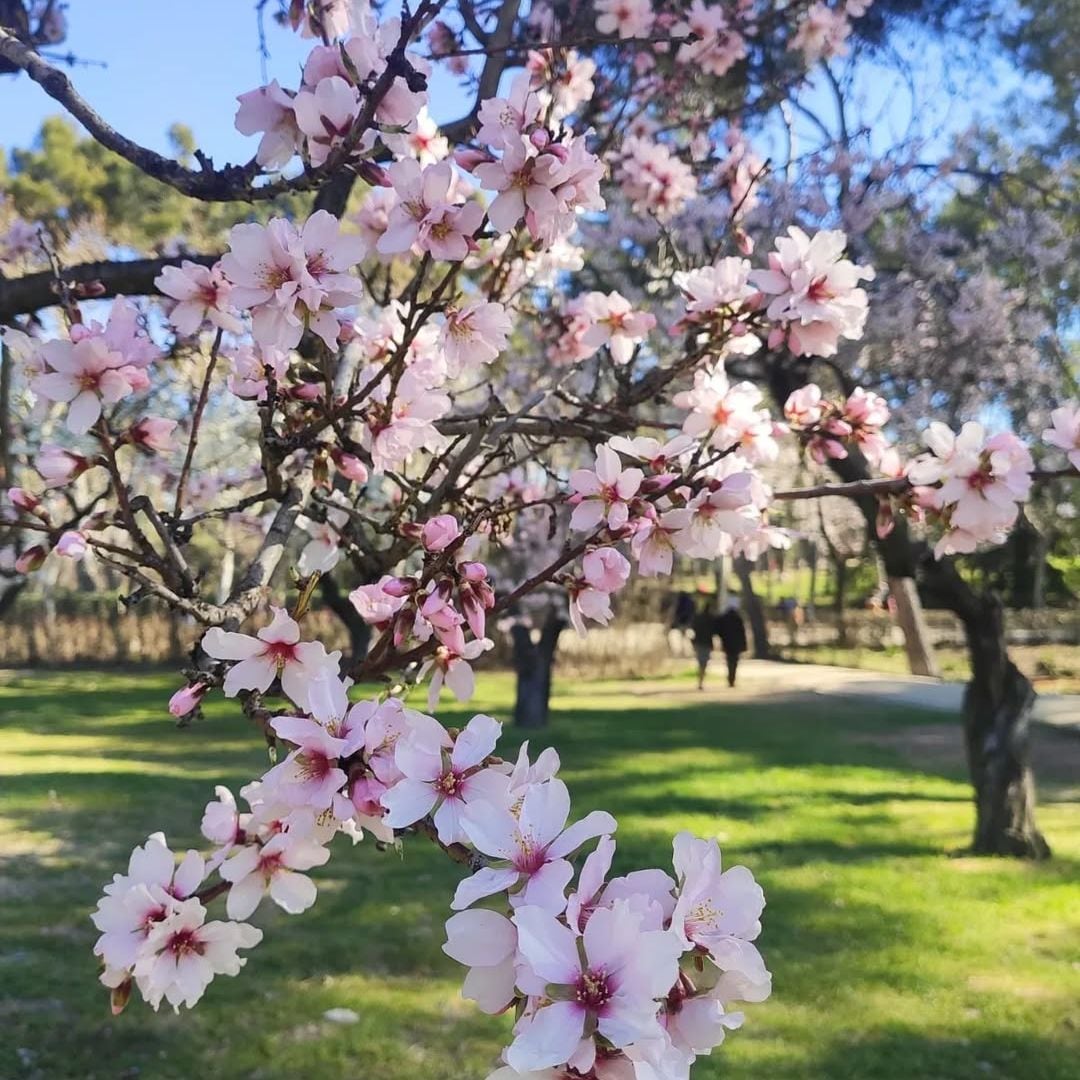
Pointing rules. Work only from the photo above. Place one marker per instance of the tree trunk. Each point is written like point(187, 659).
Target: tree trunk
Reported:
point(534, 662)
point(912, 622)
point(6, 365)
point(759, 629)
point(359, 631)
point(895, 549)
point(841, 568)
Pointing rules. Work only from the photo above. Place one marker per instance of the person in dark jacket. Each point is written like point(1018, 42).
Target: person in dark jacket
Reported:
point(703, 627)
point(732, 633)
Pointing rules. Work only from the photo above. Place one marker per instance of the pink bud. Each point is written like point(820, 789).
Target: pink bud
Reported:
point(745, 242)
point(440, 532)
point(473, 571)
point(23, 499)
point(776, 337)
point(187, 698)
point(72, 545)
point(540, 138)
point(399, 587)
point(30, 560)
point(469, 159)
point(154, 433)
point(351, 467)
point(58, 466)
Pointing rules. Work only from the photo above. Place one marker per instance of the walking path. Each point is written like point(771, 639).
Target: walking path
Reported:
point(1059, 710)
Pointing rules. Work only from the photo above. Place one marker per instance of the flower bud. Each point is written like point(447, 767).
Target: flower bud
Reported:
point(31, 559)
point(440, 532)
point(72, 545)
point(187, 699)
point(23, 499)
point(154, 432)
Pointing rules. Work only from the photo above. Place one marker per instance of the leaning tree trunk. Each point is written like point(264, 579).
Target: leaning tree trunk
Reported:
point(759, 628)
point(534, 662)
point(998, 704)
point(895, 549)
point(359, 631)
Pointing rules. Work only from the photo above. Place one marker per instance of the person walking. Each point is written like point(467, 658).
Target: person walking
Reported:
point(703, 627)
point(732, 633)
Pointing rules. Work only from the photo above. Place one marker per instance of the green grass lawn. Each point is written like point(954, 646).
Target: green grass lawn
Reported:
point(891, 961)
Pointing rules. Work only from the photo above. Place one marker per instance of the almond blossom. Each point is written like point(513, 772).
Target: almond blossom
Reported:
point(613, 980)
point(1064, 432)
point(486, 943)
point(201, 294)
point(535, 842)
point(613, 322)
point(446, 783)
point(603, 494)
point(474, 335)
point(183, 952)
point(325, 115)
point(604, 571)
point(627, 18)
point(276, 652)
point(814, 290)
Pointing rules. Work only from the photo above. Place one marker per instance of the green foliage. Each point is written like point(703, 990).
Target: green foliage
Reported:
point(891, 961)
point(69, 181)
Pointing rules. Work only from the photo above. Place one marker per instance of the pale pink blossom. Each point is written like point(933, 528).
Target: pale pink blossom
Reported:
point(814, 290)
point(627, 18)
point(603, 494)
point(450, 665)
point(535, 843)
point(473, 335)
point(72, 545)
point(201, 294)
point(432, 782)
point(613, 322)
point(153, 432)
point(822, 33)
point(187, 698)
point(439, 532)
point(1064, 432)
point(269, 110)
point(486, 943)
point(276, 652)
point(612, 979)
point(182, 954)
point(58, 466)
point(374, 604)
point(719, 46)
point(326, 115)
point(275, 868)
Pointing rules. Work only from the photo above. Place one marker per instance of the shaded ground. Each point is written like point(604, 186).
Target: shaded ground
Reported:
point(891, 961)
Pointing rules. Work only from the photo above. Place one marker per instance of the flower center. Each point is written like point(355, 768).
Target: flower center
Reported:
point(449, 784)
point(281, 652)
point(183, 942)
point(593, 991)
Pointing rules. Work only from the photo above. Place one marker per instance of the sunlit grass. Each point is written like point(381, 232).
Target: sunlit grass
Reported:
point(891, 960)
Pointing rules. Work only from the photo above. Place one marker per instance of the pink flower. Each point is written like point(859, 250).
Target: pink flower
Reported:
point(718, 911)
point(803, 407)
point(58, 466)
point(486, 943)
point(719, 46)
point(653, 178)
point(22, 499)
point(440, 532)
point(535, 843)
point(350, 466)
point(822, 33)
point(153, 432)
point(1064, 432)
point(627, 18)
point(275, 868)
point(221, 823)
point(611, 978)
point(431, 780)
point(450, 665)
point(72, 545)
point(187, 698)
point(727, 414)
point(201, 294)
point(275, 653)
point(374, 604)
point(815, 291)
point(269, 110)
point(473, 335)
point(326, 115)
point(605, 571)
point(604, 493)
point(654, 542)
point(614, 323)
point(183, 953)
point(33, 558)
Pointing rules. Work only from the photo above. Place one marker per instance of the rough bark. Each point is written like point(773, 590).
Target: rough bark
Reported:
point(998, 703)
point(759, 629)
point(534, 662)
point(912, 622)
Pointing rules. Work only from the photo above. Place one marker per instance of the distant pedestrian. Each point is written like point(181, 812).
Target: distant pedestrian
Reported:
point(703, 626)
point(732, 633)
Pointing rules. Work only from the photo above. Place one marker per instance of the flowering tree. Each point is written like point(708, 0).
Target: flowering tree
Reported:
point(443, 389)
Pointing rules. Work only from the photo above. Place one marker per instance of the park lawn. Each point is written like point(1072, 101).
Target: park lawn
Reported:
point(891, 961)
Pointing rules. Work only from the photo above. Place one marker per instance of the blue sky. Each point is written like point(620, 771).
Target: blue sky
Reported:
point(188, 61)
point(167, 62)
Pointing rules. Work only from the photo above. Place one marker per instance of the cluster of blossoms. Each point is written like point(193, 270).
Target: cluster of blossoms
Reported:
point(677, 506)
point(823, 31)
point(653, 179)
point(451, 595)
point(316, 120)
point(538, 173)
point(595, 319)
point(980, 483)
point(827, 428)
point(640, 968)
